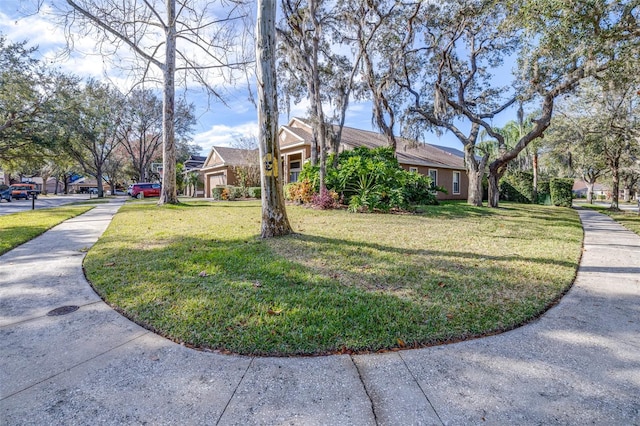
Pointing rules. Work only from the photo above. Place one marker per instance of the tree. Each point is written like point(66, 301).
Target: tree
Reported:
point(28, 103)
point(173, 40)
point(92, 131)
point(274, 214)
point(448, 76)
point(558, 44)
point(570, 147)
point(141, 130)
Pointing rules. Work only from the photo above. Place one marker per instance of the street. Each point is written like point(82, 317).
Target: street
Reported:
point(42, 202)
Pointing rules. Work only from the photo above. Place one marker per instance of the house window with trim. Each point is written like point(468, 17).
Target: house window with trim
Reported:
point(413, 169)
point(433, 174)
point(294, 171)
point(456, 182)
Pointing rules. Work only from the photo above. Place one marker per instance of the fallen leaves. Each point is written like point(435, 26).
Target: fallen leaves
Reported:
point(272, 311)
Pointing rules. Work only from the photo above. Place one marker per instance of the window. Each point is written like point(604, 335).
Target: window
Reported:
point(294, 171)
point(433, 174)
point(413, 169)
point(456, 182)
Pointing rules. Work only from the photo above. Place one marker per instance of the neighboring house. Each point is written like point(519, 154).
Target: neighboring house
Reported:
point(444, 165)
point(218, 168)
point(194, 164)
point(85, 184)
point(599, 191)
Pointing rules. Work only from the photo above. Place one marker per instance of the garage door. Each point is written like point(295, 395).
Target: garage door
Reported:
point(217, 179)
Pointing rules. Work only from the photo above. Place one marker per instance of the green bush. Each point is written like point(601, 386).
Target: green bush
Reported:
point(216, 192)
point(561, 192)
point(255, 192)
point(517, 187)
point(544, 193)
point(371, 179)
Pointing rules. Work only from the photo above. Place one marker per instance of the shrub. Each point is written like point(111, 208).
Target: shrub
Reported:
point(517, 186)
point(226, 194)
point(236, 192)
point(301, 192)
point(255, 192)
point(325, 200)
point(544, 193)
point(371, 179)
point(561, 192)
point(216, 193)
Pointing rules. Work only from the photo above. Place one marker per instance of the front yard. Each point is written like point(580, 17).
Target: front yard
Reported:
point(197, 273)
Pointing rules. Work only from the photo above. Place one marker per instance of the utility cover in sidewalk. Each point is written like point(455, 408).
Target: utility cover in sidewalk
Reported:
point(63, 310)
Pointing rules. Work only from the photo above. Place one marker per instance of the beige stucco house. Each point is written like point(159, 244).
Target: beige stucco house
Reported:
point(444, 165)
point(218, 168)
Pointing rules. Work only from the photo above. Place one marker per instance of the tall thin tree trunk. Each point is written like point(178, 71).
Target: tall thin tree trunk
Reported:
point(535, 176)
point(590, 192)
point(615, 190)
point(169, 194)
point(274, 214)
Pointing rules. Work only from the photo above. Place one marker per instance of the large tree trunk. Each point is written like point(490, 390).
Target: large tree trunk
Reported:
point(496, 171)
point(475, 173)
point(494, 190)
point(169, 194)
point(274, 214)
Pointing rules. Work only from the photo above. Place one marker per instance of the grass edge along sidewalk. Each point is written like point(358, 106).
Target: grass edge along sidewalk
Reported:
point(626, 218)
point(18, 228)
point(198, 274)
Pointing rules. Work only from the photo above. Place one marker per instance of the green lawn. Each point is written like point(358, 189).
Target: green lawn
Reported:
point(198, 273)
point(18, 228)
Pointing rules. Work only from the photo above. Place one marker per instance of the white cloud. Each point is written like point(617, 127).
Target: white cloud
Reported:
point(224, 135)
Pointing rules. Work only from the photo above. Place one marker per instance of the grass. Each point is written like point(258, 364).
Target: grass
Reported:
point(18, 228)
point(628, 219)
point(198, 274)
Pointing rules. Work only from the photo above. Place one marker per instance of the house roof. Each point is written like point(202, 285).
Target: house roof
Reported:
point(230, 157)
point(407, 151)
point(581, 185)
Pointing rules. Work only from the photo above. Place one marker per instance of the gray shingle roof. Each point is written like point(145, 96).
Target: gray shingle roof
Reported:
point(408, 152)
point(237, 156)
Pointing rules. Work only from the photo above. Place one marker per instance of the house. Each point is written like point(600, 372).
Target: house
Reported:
point(220, 166)
point(444, 165)
point(86, 184)
point(194, 164)
point(600, 191)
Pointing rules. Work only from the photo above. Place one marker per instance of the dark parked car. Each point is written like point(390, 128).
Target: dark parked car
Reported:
point(5, 193)
point(139, 190)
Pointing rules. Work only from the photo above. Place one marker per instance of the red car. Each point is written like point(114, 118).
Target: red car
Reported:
point(139, 190)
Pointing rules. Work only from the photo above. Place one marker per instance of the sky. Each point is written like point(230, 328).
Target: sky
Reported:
point(217, 124)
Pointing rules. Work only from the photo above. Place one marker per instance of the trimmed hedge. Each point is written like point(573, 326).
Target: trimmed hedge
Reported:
point(544, 193)
point(231, 193)
point(517, 187)
point(561, 192)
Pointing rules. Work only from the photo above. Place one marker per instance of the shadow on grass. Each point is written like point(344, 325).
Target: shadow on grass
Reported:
point(254, 296)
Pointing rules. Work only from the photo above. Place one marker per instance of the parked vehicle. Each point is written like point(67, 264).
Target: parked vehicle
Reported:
point(24, 190)
point(5, 193)
point(139, 190)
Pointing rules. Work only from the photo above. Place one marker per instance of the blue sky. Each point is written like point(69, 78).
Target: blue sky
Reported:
point(218, 125)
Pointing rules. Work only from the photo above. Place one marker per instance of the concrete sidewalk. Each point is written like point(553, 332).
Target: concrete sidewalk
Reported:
point(578, 364)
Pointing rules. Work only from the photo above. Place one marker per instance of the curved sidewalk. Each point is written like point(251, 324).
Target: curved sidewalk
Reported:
point(578, 364)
